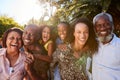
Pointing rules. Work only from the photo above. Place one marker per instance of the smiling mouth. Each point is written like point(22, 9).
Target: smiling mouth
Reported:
point(15, 45)
point(27, 41)
point(103, 32)
point(83, 40)
point(62, 36)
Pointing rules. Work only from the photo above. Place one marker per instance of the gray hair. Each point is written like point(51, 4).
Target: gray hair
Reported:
point(106, 15)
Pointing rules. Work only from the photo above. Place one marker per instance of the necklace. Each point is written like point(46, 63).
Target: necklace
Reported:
point(11, 70)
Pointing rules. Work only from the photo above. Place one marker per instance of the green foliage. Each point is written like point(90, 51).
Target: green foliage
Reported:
point(70, 10)
point(6, 23)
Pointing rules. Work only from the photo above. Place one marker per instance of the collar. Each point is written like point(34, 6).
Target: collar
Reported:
point(3, 52)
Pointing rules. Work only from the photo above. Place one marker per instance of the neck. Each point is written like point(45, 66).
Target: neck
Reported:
point(77, 47)
point(9, 52)
point(33, 46)
point(12, 55)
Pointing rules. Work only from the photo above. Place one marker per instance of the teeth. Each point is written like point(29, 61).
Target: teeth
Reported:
point(103, 32)
point(14, 44)
point(27, 40)
point(62, 35)
point(82, 39)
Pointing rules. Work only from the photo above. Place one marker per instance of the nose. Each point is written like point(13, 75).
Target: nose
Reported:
point(62, 32)
point(102, 27)
point(27, 35)
point(16, 40)
point(82, 35)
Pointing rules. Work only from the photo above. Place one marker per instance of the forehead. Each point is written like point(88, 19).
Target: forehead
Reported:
point(63, 27)
point(102, 18)
point(81, 26)
point(31, 29)
point(46, 28)
point(14, 33)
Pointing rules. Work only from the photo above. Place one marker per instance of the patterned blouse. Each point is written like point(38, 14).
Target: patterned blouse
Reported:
point(70, 67)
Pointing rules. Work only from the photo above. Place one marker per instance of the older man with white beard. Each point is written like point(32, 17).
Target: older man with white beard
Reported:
point(106, 62)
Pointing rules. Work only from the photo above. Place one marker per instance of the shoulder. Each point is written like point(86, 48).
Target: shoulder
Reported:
point(50, 42)
point(58, 41)
point(2, 51)
point(115, 41)
point(62, 51)
point(64, 47)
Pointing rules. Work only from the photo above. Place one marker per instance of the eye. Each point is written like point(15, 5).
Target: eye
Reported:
point(107, 24)
point(31, 34)
point(19, 39)
point(86, 32)
point(98, 26)
point(44, 31)
point(11, 38)
point(78, 31)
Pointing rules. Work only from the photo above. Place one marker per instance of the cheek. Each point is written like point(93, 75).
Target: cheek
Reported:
point(65, 32)
point(43, 33)
point(20, 43)
point(49, 36)
point(7, 42)
point(110, 28)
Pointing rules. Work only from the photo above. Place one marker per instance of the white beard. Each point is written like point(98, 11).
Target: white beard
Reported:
point(105, 39)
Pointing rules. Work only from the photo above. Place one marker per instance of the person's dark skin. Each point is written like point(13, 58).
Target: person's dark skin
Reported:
point(28, 66)
point(30, 43)
point(33, 49)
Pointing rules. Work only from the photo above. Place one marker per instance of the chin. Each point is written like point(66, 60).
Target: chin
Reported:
point(26, 44)
point(62, 39)
point(82, 43)
point(105, 38)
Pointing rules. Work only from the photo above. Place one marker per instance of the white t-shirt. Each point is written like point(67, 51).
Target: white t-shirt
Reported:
point(106, 63)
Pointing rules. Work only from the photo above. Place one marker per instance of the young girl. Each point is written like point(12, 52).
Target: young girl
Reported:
point(63, 35)
point(46, 40)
